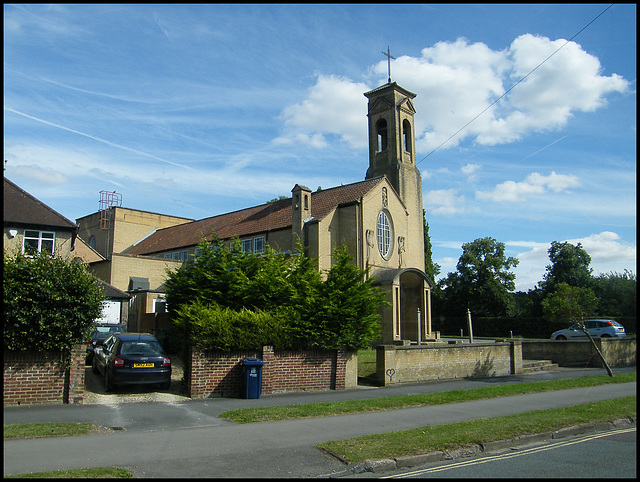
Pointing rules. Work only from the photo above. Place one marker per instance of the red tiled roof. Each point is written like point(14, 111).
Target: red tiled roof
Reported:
point(258, 219)
point(20, 207)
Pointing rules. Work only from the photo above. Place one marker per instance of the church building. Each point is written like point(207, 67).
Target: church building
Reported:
point(379, 219)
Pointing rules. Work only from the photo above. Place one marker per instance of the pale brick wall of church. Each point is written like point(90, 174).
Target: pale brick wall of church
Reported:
point(121, 267)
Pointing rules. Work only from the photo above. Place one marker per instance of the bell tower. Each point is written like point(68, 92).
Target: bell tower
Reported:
point(392, 150)
point(392, 153)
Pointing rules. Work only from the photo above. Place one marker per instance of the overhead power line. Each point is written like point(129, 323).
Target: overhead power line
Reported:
point(516, 84)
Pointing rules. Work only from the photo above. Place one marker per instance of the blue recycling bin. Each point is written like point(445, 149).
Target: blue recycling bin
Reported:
point(252, 377)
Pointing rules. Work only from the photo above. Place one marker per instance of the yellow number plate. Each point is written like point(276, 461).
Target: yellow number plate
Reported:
point(143, 365)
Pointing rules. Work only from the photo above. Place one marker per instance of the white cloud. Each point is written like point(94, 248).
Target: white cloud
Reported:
point(606, 250)
point(469, 170)
point(605, 247)
point(570, 80)
point(334, 105)
point(443, 202)
point(315, 140)
point(26, 22)
point(457, 81)
point(534, 183)
point(104, 141)
point(47, 177)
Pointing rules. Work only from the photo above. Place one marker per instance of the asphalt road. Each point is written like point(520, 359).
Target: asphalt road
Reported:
point(602, 455)
point(188, 439)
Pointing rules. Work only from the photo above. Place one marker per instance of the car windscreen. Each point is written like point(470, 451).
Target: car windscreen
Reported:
point(105, 331)
point(141, 347)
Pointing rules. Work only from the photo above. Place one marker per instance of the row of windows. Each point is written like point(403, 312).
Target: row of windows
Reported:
point(384, 234)
point(178, 255)
point(44, 241)
point(255, 246)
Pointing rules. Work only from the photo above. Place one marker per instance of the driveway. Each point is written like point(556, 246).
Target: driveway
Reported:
point(95, 394)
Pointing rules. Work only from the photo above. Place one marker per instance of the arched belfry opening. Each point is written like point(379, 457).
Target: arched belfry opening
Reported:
point(382, 139)
point(407, 137)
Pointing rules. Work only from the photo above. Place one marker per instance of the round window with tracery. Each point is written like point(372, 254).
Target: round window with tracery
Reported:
point(384, 232)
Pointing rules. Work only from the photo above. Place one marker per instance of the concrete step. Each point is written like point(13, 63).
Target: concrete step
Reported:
point(529, 366)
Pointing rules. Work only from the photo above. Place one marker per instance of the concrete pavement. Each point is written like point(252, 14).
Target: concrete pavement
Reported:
point(188, 439)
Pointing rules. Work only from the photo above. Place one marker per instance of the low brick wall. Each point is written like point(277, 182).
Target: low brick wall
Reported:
point(216, 373)
point(74, 386)
point(580, 353)
point(439, 361)
point(32, 378)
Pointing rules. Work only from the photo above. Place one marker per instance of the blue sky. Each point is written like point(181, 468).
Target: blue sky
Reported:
point(197, 110)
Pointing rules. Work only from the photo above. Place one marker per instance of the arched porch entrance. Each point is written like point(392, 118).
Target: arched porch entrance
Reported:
point(407, 319)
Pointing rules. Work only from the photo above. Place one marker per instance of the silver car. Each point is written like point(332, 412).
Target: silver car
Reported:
point(596, 328)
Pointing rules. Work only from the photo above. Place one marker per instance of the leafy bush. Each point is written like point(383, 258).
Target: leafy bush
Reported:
point(50, 302)
point(345, 311)
point(214, 327)
point(567, 303)
point(227, 299)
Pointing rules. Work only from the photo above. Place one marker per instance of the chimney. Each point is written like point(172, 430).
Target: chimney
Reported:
point(300, 210)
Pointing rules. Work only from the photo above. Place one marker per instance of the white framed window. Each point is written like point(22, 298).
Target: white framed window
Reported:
point(167, 255)
point(184, 255)
point(159, 305)
point(258, 245)
point(384, 234)
point(246, 245)
point(35, 242)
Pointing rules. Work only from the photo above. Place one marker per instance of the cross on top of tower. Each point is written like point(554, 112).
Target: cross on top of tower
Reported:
point(389, 57)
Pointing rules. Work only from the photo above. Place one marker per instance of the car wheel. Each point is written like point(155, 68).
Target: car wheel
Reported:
point(108, 385)
point(561, 337)
point(605, 336)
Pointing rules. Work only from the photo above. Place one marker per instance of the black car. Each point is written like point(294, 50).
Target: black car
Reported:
point(131, 359)
point(101, 332)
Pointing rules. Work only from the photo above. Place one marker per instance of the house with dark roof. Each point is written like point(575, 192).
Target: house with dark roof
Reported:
point(379, 220)
point(31, 227)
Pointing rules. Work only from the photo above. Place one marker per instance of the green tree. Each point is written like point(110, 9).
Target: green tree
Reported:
point(50, 302)
point(430, 268)
point(223, 328)
point(569, 264)
point(346, 313)
point(482, 282)
point(227, 276)
point(616, 293)
point(568, 303)
point(281, 299)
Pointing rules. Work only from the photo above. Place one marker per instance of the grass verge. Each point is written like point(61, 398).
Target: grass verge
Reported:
point(33, 430)
point(307, 410)
point(447, 437)
point(95, 473)
point(367, 363)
